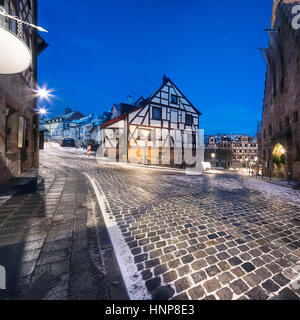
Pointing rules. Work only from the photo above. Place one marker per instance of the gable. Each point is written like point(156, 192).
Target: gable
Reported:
point(169, 95)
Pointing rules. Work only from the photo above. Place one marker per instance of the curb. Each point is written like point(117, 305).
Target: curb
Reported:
point(18, 184)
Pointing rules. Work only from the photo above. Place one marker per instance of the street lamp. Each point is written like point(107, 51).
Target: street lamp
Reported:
point(42, 112)
point(15, 56)
point(213, 155)
point(43, 93)
point(5, 14)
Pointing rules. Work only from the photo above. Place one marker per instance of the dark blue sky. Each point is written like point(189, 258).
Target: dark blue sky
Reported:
point(102, 51)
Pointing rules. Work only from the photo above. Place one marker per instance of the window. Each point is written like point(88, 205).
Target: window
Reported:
point(156, 113)
point(296, 116)
point(264, 133)
point(270, 130)
point(287, 121)
point(298, 152)
point(188, 120)
point(174, 99)
point(12, 23)
point(280, 125)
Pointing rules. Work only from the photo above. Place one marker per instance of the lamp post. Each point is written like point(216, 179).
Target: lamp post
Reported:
point(213, 155)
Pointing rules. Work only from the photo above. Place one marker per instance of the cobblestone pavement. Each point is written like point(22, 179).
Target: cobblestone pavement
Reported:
point(49, 245)
point(193, 237)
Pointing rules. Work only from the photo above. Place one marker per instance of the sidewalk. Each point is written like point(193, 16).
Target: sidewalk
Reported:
point(280, 182)
point(49, 241)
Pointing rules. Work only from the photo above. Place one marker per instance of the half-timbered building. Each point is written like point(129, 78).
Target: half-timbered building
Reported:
point(160, 130)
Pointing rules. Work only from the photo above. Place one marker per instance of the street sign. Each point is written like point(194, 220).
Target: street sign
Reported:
point(15, 56)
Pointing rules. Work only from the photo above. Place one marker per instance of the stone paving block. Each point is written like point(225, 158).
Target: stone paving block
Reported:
point(182, 284)
point(182, 296)
point(212, 285)
point(199, 264)
point(170, 276)
point(174, 264)
point(238, 272)
point(263, 273)
point(212, 271)
point(257, 293)
point(199, 276)
point(184, 270)
point(146, 274)
point(252, 279)
point(270, 286)
point(235, 261)
point(196, 293)
point(248, 267)
point(187, 259)
point(238, 286)
point(225, 294)
point(280, 279)
point(223, 265)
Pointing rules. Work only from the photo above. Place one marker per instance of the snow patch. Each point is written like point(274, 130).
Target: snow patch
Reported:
point(134, 283)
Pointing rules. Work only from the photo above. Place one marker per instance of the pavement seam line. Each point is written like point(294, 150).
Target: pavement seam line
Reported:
point(134, 283)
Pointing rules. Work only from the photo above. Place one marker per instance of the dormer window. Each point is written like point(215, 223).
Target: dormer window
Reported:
point(174, 99)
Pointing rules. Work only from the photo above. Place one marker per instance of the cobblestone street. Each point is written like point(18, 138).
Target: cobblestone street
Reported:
point(211, 236)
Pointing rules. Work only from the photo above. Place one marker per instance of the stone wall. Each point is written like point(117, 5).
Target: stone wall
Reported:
point(281, 105)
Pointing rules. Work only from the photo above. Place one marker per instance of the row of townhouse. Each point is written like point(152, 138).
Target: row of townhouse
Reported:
point(231, 151)
point(162, 129)
point(74, 125)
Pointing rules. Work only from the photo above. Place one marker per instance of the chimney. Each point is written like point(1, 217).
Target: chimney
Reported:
point(165, 79)
point(68, 110)
point(129, 99)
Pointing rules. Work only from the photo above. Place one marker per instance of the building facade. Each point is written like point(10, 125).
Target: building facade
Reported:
point(60, 126)
point(280, 154)
point(160, 130)
point(19, 123)
point(231, 151)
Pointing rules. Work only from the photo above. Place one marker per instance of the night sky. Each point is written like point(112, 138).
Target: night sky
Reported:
point(102, 51)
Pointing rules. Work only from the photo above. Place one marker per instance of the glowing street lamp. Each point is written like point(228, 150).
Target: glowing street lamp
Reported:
point(282, 151)
point(42, 111)
point(43, 93)
point(213, 155)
